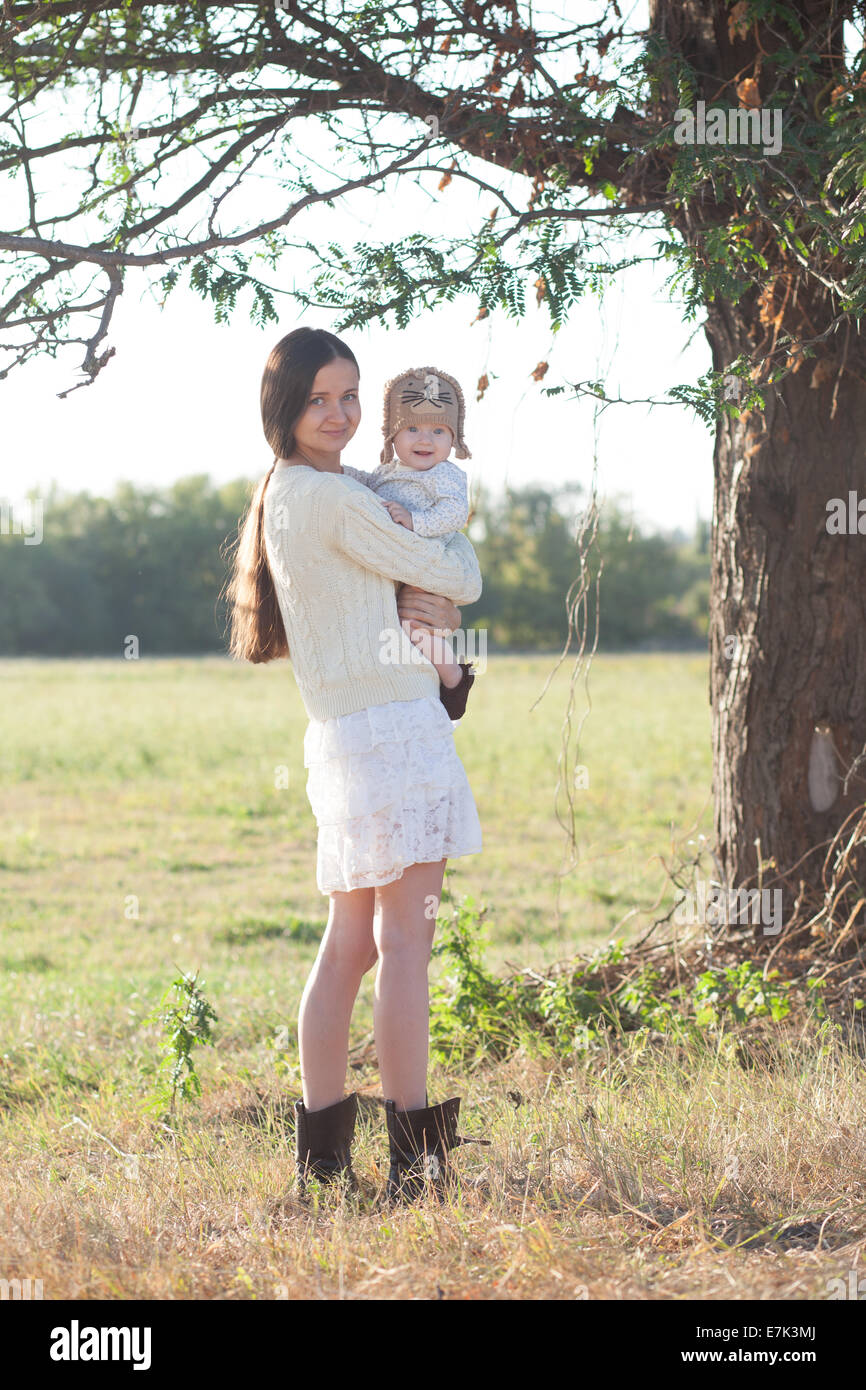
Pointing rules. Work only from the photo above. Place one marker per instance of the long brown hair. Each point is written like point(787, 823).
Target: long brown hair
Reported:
point(257, 629)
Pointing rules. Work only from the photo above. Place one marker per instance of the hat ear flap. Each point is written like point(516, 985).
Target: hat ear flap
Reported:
point(387, 449)
point(461, 451)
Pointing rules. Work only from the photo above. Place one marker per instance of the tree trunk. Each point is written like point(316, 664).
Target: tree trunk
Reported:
point(788, 609)
point(788, 598)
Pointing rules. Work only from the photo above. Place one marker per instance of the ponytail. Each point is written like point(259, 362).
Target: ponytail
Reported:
point(257, 630)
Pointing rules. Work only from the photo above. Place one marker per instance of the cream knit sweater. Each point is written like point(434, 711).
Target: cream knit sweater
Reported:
point(335, 554)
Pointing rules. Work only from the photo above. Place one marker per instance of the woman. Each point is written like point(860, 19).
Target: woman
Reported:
point(314, 578)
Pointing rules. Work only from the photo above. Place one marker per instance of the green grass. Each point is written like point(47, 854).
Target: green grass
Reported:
point(157, 779)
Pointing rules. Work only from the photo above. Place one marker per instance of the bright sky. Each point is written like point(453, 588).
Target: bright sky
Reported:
point(181, 394)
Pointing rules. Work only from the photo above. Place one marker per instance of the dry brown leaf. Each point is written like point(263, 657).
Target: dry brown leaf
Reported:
point(795, 358)
point(824, 371)
point(768, 312)
point(738, 24)
point(483, 383)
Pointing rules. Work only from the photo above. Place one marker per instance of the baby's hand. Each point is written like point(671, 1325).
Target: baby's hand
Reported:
point(437, 651)
point(398, 513)
point(420, 638)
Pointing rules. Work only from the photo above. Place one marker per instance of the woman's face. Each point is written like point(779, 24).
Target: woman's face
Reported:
point(333, 411)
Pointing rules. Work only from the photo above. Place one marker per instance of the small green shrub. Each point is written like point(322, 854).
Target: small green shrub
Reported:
point(185, 1016)
point(474, 1014)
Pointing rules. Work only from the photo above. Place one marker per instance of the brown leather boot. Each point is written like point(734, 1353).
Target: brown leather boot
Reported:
point(419, 1142)
point(323, 1141)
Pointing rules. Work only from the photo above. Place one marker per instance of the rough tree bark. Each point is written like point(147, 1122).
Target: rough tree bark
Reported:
point(788, 599)
point(794, 598)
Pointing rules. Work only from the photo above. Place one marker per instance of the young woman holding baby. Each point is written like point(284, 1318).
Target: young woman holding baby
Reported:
point(322, 554)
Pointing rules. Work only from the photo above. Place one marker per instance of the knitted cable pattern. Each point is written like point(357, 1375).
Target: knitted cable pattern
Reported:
point(335, 556)
point(289, 599)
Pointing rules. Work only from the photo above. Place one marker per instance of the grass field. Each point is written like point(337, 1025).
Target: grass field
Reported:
point(144, 830)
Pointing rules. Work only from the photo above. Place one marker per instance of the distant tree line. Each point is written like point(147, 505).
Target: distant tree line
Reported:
point(152, 563)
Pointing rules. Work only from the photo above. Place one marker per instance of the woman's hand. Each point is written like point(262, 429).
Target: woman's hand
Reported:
point(434, 612)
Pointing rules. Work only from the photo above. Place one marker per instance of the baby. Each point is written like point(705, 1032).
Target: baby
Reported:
point(421, 488)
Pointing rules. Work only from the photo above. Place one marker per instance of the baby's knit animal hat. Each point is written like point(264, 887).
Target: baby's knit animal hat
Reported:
point(423, 396)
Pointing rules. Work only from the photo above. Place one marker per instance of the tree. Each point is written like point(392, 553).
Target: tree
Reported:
point(676, 129)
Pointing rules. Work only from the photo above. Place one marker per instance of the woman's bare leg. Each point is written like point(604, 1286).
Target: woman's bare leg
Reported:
point(404, 926)
point(347, 950)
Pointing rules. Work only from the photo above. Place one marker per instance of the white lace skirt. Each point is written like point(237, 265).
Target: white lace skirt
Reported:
point(387, 789)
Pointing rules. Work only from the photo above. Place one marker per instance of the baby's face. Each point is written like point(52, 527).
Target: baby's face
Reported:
point(420, 446)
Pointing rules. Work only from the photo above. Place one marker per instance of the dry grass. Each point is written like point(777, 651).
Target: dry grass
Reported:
point(659, 1173)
